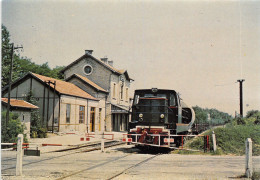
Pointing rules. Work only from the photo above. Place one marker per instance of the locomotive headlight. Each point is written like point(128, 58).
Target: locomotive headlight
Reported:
point(162, 116)
point(141, 115)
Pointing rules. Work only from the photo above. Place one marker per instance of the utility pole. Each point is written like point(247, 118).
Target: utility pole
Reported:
point(241, 95)
point(10, 81)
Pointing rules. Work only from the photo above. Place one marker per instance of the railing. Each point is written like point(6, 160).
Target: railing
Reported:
point(200, 127)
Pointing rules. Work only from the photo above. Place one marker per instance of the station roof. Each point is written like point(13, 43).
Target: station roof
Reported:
point(64, 87)
point(89, 82)
point(19, 103)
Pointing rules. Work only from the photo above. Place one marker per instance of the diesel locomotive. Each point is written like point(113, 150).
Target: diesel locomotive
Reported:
point(159, 118)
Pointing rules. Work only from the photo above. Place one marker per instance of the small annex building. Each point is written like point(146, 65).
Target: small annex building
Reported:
point(103, 81)
point(22, 109)
point(63, 106)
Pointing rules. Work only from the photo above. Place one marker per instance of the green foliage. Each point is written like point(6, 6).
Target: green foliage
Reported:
point(36, 130)
point(22, 65)
point(217, 117)
point(14, 127)
point(6, 46)
point(200, 114)
point(252, 117)
point(231, 139)
point(252, 113)
point(256, 176)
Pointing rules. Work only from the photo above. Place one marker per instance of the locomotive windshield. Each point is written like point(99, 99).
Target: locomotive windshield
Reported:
point(152, 108)
point(172, 99)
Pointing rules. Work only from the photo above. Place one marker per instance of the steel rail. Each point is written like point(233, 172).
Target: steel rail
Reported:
point(107, 162)
point(70, 151)
point(93, 167)
point(133, 166)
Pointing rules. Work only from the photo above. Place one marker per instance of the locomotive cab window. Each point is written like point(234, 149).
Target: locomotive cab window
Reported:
point(155, 96)
point(161, 96)
point(148, 95)
point(136, 101)
point(172, 100)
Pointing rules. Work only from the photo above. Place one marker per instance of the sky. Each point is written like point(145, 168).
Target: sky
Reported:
point(198, 48)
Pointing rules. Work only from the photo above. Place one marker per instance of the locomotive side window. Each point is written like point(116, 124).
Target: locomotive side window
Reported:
point(172, 100)
point(136, 99)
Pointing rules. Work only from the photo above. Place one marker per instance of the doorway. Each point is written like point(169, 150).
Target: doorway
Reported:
point(92, 119)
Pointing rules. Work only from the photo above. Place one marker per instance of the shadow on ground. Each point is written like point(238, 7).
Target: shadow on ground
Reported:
point(144, 150)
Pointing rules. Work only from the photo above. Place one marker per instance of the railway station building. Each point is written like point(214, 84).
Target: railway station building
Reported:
point(63, 107)
point(103, 81)
point(93, 97)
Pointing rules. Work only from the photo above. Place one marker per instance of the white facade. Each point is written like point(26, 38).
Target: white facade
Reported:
point(74, 123)
point(25, 118)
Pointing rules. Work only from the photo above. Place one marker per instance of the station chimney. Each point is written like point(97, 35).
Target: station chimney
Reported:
point(89, 52)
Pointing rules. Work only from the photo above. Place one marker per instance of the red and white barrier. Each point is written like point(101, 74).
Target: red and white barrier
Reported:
point(25, 145)
point(89, 135)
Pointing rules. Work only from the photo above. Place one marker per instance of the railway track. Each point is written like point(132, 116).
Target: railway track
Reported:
point(107, 162)
point(71, 150)
point(132, 167)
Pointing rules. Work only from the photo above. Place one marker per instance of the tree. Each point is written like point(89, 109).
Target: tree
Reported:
point(22, 65)
point(200, 115)
point(5, 55)
point(37, 129)
point(252, 113)
point(216, 116)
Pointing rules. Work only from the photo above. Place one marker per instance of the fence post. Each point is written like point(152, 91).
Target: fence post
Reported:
point(19, 156)
point(205, 143)
point(102, 143)
point(249, 163)
point(214, 141)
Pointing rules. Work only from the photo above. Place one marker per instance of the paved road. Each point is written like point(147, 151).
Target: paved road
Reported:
point(124, 162)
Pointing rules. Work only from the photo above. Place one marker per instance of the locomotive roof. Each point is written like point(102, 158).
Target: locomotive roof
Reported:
point(159, 90)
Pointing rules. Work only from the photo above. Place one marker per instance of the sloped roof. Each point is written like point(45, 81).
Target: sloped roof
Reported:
point(19, 103)
point(114, 70)
point(86, 80)
point(64, 87)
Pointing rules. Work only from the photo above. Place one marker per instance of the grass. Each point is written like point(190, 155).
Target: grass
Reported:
point(256, 176)
point(230, 140)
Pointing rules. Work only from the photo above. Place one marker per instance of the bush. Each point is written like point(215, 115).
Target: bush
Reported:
point(231, 139)
point(256, 176)
point(14, 127)
point(42, 133)
point(38, 132)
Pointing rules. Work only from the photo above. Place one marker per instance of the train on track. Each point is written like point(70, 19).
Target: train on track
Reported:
point(159, 118)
